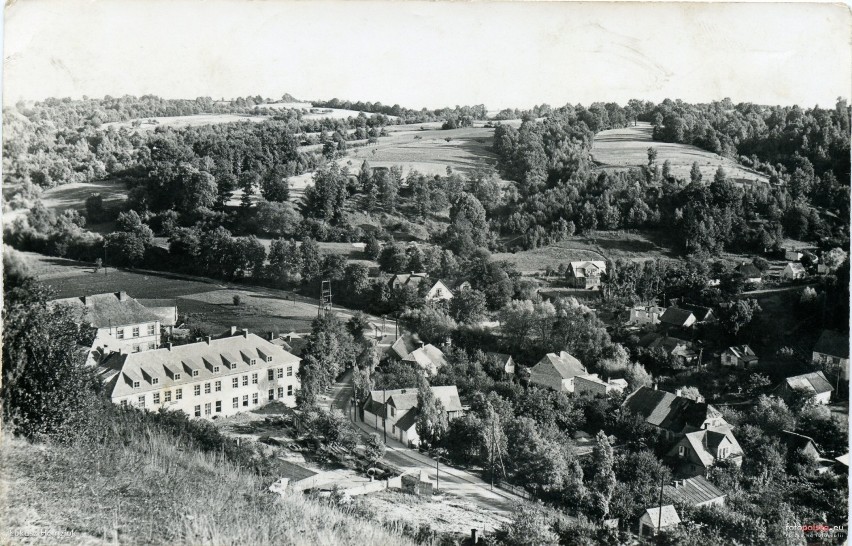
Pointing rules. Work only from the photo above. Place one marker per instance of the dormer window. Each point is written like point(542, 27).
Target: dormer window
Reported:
point(177, 377)
point(194, 373)
point(135, 384)
point(269, 359)
point(215, 369)
point(252, 362)
point(155, 380)
point(233, 365)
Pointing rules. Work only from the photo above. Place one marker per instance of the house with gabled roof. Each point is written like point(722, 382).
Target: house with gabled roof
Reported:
point(557, 371)
point(832, 348)
point(674, 415)
point(695, 492)
point(796, 442)
point(703, 315)
point(678, 349)
point(503, 360)
point(750, 273)
point(592, 385)
point(210, 378)
point(793, 271)
point(696, 452)
point(738, 356)
point(658, 518)
point(645, 314)
point(121, 322)
point(436, 291)
point(677, 317)
point(812, 384)
point(428, 358)
point(395, 411)
point(585, 274)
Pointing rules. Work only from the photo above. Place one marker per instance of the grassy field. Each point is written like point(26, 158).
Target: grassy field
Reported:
point(602, 245)
point(180, 122)
point(143, 487)
point(628, 147)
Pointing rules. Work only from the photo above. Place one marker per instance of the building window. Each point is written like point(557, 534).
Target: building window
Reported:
point(280, 392)
point(218, 386)
point(272, 394)
point(137, 348)
point(142, 401)
point(151, 345)
point(236, 404)
point(178, 394)
point(155, 380)
point(196, 389)
point(269, 359)
point(135, 331)
point(252, 362)
point(135, 384)
point(270, 374)
point(156, 398)
point(194, 373)
point(245, 381)
point(207, 410)
point(151, 329)
point(280, 373)
point(245, 400)
point(254, 398)
point(681, 451)
point(177, 377)
point(393, 412)
point(254, 379)
point(233, 365)
point(218, 406)
point(289, 390)
point(723, 452)
point(215, 369)
point(289, 371)
point(167, 396)
point(207, 388)
point(235, 382)
point(198, 411)
point(119, 333)
point(124, 402)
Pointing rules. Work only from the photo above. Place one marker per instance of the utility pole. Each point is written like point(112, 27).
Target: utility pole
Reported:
point(660, 515)
point(437, 473)
point(492, 452)
point(385, 416)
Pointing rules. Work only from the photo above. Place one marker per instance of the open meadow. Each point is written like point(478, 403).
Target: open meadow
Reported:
point(628, 147)
point(602, 245)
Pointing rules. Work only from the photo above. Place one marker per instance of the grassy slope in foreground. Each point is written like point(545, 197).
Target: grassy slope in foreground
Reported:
point(148, 490)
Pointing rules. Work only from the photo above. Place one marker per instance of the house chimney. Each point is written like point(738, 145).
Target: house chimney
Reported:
point(122, 296)
point(169, 345)
point(245, 332)
point(233, 330)
point(271, 336)
point(473, 538)
point(655, 385)
point(208, 338)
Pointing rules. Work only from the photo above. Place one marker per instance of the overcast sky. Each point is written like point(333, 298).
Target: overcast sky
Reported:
point(429, 54)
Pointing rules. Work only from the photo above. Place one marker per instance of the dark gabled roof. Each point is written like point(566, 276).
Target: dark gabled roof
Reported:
point(701, 313)
point(795, 441)
point(743, 352)
point(669, 411)
point(403, 346)
point(692, 491)
point(749, 271)
point(676, 316)
point(566, 365)
point(110, 309)
point(814, 382)
point(408, 420)
point(832, 343)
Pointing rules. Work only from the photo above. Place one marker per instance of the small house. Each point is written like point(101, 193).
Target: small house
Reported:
point(395, 411)
point(750, 273)
point(657, 519)
point(695, 491)
point(703, 315)
point(739, 356)
point(557, 372)
point(436, 291)
point(503, 361)
point(698, 451)
point(592, 385)
point(678, 318)
point(428, 357)
point(678, 349)
point(585, 274)
point(793, 255)
point(645, 314)
point(812, 384)
point(796, 442)
point(674, 415)
point(794, 271)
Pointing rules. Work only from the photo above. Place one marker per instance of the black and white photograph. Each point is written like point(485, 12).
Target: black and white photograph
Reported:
point(438, 273)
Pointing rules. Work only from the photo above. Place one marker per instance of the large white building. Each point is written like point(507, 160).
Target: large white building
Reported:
point(122, 323)
point(215, 377)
